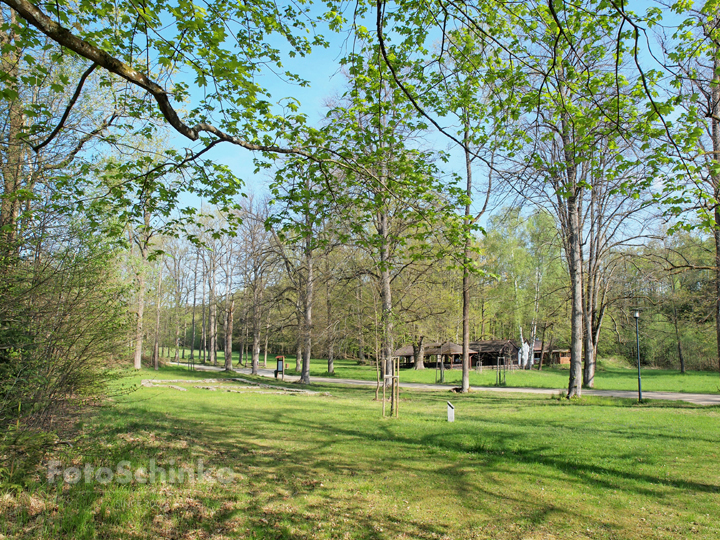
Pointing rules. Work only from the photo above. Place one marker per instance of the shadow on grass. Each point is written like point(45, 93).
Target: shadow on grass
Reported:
point(305, 476)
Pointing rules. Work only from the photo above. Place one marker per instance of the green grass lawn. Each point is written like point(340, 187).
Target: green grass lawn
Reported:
point(327, 466)
point(610, 376)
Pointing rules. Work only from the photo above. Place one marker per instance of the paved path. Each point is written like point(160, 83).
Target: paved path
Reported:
point(697, 399)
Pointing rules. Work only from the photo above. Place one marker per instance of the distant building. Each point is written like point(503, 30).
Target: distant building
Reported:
point(488, 352)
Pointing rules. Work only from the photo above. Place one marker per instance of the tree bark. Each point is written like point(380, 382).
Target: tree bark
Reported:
point(361, 326)
point(386, 301)
point(715, 179)
point(265, 351)
point(256, 316)
point(330, 324)
point(212, 314)
point(229, 318)
point(156, 351)
point(299, 342)
point(192, 341)
point(177, 339)
point(298, 351)
point(12, 166)
point(308, 299)
point(139, 322)
point(243, 345)
point(203, 336)
point(143, 244)
point(576, 295)
point(419, 353)
point(678, 340)
point(465, 386)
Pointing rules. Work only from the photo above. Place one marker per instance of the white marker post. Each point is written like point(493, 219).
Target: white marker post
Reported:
point(451, 412)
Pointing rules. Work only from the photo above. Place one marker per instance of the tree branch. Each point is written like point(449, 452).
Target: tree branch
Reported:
point(65, 115)
point(64, 37)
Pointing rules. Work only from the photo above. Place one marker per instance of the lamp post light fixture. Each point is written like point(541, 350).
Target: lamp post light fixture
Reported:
point(637, 339)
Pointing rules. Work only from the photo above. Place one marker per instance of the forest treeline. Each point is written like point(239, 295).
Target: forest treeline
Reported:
point(485, 167)
point(251, 288)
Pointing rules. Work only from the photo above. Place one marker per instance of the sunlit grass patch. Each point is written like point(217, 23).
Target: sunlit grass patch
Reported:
point(318, 466)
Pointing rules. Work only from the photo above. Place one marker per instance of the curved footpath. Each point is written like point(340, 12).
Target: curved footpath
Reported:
point(697, 399)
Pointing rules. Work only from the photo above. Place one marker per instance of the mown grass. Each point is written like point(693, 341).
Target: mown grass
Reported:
point(327, 466)
point(609, 376)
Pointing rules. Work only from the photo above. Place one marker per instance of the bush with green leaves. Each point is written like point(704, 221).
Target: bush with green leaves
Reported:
point(63, 317)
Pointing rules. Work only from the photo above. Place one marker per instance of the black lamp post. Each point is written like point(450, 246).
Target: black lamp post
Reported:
point(637, 338)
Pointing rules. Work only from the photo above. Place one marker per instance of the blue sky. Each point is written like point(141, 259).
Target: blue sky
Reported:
point(322, 69)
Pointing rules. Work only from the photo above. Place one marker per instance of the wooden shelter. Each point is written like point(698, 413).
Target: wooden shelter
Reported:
point(405, 351)
point(560, 356)
point(447, 348)
point(451, 351)
point(489, 350)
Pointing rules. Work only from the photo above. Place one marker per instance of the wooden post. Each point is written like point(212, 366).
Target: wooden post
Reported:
point(383, 387)
point(397, 388)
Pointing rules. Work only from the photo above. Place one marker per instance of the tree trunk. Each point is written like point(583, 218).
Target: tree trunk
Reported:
point(482, 317)
point(12, 167)
point(230, 319)
point(203, 337)
point(715, 176)
point(678, 340)
point(717, 255)
point(212, 315)
point(386, 300)
point(184, 338)
point(419, 353)
point(299, 342)
point(156, 351)
point(255, 351)
point(139, 322)
point(267, 336)
point(143, 244)
point(330, 324)
point(588, 350)
point(308, 305)
point(178, 301)
point(576, 295)
point(192, 341)
point(465, 386)
point(256, 316)
point(177, 339)
point(298, 353)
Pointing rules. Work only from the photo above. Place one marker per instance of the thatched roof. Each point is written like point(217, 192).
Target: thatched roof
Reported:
point(447, 348)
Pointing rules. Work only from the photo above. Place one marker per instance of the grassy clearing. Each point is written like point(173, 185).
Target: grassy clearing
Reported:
point(326, 466)
point(607, 378)
point(610, 376)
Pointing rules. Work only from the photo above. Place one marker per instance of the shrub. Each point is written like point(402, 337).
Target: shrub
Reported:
point(63, 320)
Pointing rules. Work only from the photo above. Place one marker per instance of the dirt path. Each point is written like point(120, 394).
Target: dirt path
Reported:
point(697, 399)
